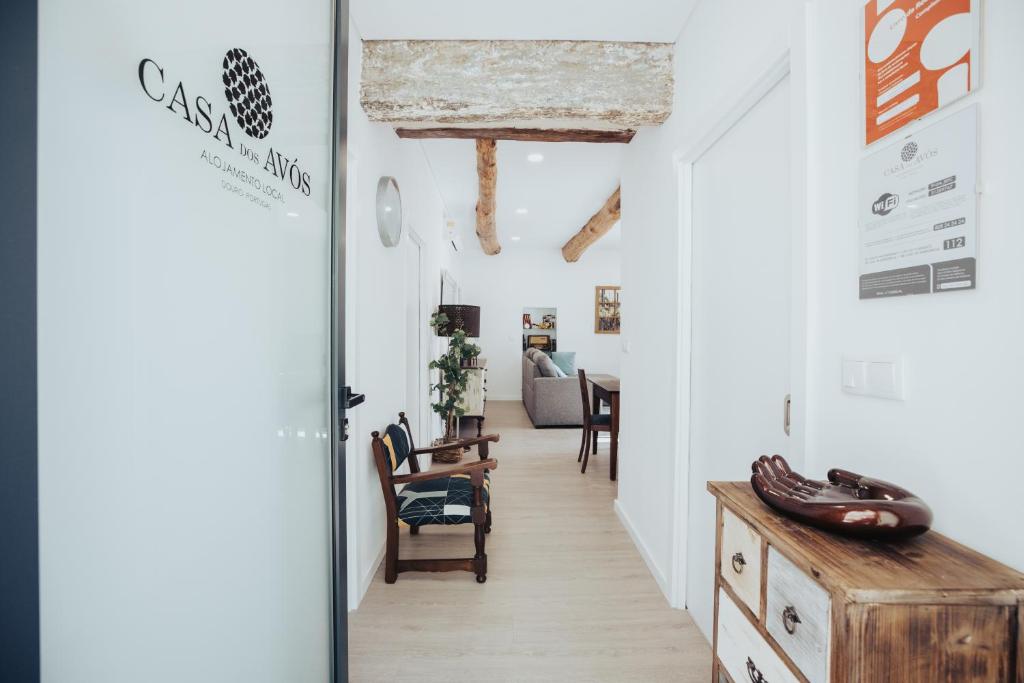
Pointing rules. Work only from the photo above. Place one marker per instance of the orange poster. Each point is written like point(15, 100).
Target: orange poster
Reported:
point(919, 55)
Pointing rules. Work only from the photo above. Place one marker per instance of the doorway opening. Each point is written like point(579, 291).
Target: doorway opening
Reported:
point(735, 323)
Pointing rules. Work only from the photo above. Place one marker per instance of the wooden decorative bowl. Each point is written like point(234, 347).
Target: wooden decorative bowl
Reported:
point(847, 503)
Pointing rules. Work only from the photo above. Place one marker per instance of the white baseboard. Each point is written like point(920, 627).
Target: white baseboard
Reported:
point(510, 397)
point(659, 576)
point(366, 579)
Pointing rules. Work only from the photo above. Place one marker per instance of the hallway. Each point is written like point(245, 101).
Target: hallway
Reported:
point(567, 598)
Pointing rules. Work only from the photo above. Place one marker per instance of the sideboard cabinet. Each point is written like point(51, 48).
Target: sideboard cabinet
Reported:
point(797, 605)
point(474, 400)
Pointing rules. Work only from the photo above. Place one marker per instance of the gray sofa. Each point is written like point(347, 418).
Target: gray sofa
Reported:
point(550, 400)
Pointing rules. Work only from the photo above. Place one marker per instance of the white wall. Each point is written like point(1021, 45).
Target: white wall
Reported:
point(503, 285)
point(956, 439)
point(723, 49)
point(376, 351)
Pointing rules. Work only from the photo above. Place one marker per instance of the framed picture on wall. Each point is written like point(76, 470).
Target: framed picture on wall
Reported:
point(607, 309)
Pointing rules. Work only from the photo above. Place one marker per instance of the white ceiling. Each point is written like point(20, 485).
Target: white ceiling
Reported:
point(560, 193)
point(637, 20)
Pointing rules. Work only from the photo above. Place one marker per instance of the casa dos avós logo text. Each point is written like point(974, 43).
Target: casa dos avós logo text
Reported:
point(248, 99)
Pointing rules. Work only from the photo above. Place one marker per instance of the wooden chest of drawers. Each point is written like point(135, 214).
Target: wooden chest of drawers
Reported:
point(797, 605)
point(474, 398)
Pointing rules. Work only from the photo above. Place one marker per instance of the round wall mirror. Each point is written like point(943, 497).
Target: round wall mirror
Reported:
point(389, 211)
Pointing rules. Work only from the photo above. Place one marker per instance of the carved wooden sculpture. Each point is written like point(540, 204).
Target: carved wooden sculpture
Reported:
point(847, 503)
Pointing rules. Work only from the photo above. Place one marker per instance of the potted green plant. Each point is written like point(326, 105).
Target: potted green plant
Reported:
point(451, 381)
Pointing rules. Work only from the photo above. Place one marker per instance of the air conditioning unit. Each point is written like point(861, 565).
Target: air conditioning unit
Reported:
point(452, 235)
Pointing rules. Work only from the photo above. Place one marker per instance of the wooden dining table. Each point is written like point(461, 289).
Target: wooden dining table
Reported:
point(606, 389)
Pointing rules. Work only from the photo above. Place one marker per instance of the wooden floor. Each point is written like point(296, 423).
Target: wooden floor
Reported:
point(567, 598)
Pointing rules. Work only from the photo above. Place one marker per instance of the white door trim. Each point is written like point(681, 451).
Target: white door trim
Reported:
point(352, 376)
point(684, 161)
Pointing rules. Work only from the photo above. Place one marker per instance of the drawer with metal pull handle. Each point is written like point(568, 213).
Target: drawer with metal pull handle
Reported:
point(741, 560)
point(797, 616)
point(755, 674)
point(790, 619)
point(742, 650)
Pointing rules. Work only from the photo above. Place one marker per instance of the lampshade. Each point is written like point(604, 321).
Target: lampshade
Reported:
point(460, 317)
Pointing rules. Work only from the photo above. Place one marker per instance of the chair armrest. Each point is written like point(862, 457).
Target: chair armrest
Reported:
point(461, 443)
point(470, 468)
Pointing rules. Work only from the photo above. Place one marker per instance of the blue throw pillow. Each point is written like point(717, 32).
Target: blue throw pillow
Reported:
point(566, 360)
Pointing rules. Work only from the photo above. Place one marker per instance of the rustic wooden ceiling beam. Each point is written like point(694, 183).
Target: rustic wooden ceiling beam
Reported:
point(596, 228)
point(535, 84)
point(487, 172)
point(521, 134)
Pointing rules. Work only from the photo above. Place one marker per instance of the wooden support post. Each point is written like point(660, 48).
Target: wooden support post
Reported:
point(598, 225)
point(487, 171)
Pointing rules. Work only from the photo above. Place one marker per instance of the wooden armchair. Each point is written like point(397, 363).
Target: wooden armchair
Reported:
point(458, 495)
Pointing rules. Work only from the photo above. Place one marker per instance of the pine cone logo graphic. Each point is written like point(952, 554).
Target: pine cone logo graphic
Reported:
point(909, 151)
point(247, 93)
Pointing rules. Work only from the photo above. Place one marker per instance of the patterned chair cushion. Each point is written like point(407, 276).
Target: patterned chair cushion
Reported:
point(396, 446)
point(440, 501)
point(601, 419)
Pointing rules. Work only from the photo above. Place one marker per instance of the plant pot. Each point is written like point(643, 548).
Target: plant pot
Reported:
point(449, 455)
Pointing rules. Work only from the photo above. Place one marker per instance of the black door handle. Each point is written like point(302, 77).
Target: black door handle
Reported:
point(350, 400)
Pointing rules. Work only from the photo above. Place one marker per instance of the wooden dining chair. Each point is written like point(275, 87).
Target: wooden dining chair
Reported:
point(458, 495)
point(593, 422)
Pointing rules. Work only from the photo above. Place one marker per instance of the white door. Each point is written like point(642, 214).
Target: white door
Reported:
point(740, 318)
point(184, 282)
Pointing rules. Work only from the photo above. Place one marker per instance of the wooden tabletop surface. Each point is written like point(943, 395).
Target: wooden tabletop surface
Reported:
point(931, 562)
point(609, 383)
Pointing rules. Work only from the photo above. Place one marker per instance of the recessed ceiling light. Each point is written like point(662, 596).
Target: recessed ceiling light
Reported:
point(515, 238)
point(535, 157)
point(522, 210)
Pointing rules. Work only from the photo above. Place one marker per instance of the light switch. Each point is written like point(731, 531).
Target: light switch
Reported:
point(854, 375)
point(877, 375)
point(883, 379)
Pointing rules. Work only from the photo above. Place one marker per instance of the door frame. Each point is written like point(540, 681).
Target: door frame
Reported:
point(350, 351)
point(683, 162)
point(19, 442)
point(336, 375)
point(422, 379)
